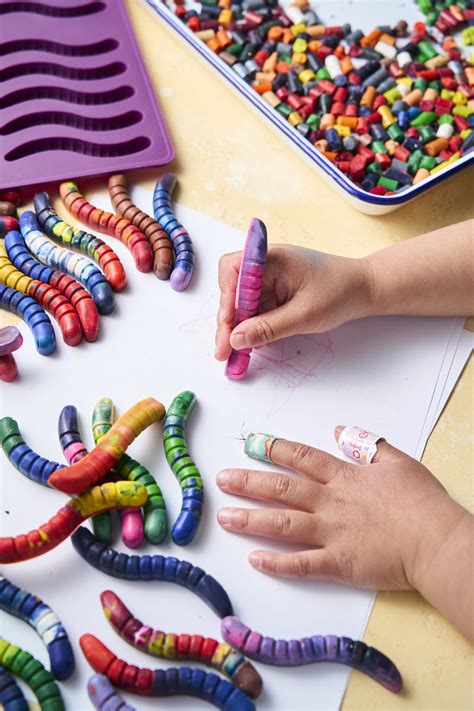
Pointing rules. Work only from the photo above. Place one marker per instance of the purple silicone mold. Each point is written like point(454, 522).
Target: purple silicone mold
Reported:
point(76, 99)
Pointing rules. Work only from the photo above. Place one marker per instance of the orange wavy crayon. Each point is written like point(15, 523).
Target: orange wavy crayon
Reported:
point(109, 224)
point(112, 495)
point(95, 465)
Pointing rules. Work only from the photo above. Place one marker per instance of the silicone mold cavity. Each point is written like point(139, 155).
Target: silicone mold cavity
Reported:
point(40, 8)
point(75, 145)
point(58, 70)
point(62, 118)
point(65, 50)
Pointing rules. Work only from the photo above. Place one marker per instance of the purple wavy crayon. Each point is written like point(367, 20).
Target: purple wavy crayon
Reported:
point(249, 289)
point(310, 650)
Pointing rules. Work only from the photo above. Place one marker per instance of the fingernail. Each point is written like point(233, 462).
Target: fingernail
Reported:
point(238, 341)
point(225, 516)
point(259, 446)
point(224, 477)
point(256, 560)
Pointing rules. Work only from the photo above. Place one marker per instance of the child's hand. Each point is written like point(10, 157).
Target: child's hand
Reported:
point(374, 526)
point(304, 291)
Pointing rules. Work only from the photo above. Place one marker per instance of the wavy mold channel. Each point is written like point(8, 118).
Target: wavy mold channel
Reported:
point(63, 118)
point(63, 50)
point(75, 145)
point(51, 10)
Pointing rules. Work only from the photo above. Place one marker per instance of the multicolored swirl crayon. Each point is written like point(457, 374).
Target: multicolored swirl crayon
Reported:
point(164, 682)
point(95, 465)
point(249, 289)
point(165, 645)
point(43, 539)
point(86, 243)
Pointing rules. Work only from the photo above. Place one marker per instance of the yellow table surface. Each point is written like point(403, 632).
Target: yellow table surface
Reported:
point(232, 166)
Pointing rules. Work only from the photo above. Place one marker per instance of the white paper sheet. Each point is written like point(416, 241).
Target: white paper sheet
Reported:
point(463, 352)
point(379, 373)
point(457, 353)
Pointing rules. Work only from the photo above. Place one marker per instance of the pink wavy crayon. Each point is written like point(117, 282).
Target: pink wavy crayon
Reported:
point(249, 289)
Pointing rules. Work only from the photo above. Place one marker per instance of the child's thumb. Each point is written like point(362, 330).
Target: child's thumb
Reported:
point(263, 329)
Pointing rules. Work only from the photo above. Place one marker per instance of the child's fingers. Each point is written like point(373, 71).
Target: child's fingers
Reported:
point(318, 563)
point(285, 525)
point(293, 492)
point(228, 276)
point(314, 463)
point(225, 324)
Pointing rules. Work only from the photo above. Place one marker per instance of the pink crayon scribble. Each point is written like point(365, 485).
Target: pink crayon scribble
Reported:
point(204, 319)
point(292, 363)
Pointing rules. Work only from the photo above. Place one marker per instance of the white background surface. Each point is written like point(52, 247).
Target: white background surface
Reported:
point(380, 374)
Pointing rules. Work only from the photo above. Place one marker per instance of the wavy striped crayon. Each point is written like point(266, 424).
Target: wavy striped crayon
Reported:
point(33, 673)
point(103, 695)
point(155, 516)
point(11, 696)
point(84, 242)
point(43, 539)
point(23, 458)
point(109, 224)
point(33, 315)
point(249, 289)
point(183, 247)
point(131, 520)
point(184, 468)
point(78, 477)
point(74, 450)
point(195, 648)
point(310, 650)
point(48, 297)
point(40, 616)
point(157, 237)
point(68, 262)
point(10, 340)
point(37, 468)
point(66, 285)
point(144, 568)
point(160, 682)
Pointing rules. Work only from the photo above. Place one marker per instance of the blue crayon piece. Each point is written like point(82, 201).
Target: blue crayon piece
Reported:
point(68, 262)
point(11, 696)
point(40, 616)
point(183, 248)
point(156, 567)
point(34, 316)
